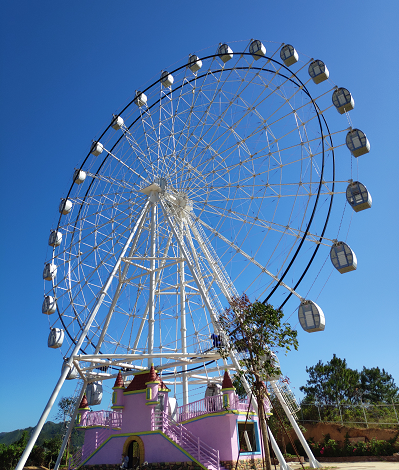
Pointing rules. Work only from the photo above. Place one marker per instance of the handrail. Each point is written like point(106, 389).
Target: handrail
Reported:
point(102, 418)
point(192, 444)
point(207, 405)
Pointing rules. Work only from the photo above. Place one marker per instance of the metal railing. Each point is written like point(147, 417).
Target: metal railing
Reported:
point(200, 407)
point(102, 418)
point(211, 405)
point(192, 444)
point(365, 414)
point(106, 421)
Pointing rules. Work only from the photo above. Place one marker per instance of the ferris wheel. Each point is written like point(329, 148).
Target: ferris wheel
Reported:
point(217, 179)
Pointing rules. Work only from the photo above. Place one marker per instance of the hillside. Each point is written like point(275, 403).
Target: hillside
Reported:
point(49, 431)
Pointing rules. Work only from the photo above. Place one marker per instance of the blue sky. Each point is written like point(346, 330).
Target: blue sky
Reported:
point(67, 66)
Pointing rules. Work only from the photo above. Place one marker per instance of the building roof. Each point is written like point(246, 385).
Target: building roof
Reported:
point(227, 383)
point(139, 381)
point(84, 403)
point(119, 380)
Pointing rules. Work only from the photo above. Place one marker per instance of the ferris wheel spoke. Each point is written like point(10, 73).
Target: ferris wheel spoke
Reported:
point(270, 225)
point(137, 228)
point(251, 259)
point(146, 164)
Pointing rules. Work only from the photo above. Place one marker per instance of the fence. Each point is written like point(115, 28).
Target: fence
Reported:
point(363, 414)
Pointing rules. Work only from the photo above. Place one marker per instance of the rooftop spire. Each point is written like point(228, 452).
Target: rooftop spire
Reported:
point(84, 403)
point(119, 380)
point(227, 383)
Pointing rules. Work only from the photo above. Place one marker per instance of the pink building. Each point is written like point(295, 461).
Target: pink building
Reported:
point(147, 427)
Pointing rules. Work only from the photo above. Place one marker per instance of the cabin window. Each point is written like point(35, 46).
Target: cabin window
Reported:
point(247, 437)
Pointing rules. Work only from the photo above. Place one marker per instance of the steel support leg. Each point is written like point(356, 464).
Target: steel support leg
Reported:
point(313, 463)
point(70, 427)
point(68, 366)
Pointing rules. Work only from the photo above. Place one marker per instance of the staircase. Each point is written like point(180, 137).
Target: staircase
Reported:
point(197, 449)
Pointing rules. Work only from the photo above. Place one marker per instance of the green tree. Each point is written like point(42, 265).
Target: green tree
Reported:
point(377, 386)
point(256, 328)
point(331, 382)
point(10, 455)
point(66, 407)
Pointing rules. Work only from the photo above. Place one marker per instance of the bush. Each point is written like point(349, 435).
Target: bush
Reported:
point(331, 448)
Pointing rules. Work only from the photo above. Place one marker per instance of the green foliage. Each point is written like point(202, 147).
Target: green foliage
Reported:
point(334, 382)
point(257, 329)
point(66, 407)
point(378, 386)
point(9, 455)
point(331, 383)
point(331, 448)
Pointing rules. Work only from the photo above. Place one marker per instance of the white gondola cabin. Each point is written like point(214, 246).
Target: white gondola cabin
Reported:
point(358, 197)
point(94, 393)
point(257, 49)
point(343, 100)
point(55, 338)
point(318, 71)
point(55, 238)
point(311, 316)
point(225, 52)
point(213, 389)
point(49, 305)
point(65, 206)
point(167, 79)
point(289, 55)
point(72, 374)
point(117, 122)
point(97, 148)
point(357, 142)
point(343, 258)
point(194, 64)
point(49, 271)
point(141, 99)
point(79, 176)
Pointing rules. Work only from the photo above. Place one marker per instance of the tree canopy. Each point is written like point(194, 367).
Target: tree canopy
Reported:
point(254, 330)
point(335, 382)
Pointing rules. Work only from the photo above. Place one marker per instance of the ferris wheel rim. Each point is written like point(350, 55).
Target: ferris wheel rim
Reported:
point(154, 104)
point(300, 84)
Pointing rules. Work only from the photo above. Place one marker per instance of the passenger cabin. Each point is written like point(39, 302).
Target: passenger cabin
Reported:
point(257, 49)
point(167, 79)
point(94, 393)
point(79, 176)
point(55, 238)
point(224, 52)
point(288, 55)
point(49, 271)
point(49, 305)
point(146, 424)
point(343, 100)
point(117, 122)
point(343, 258)
point(358, 197)
point(65, 206)
point(140, 99)
point(311, 317)
point(55, 338)
point(357, 142)
point(318, 71)
point(97, 149)
point(72, 374)
point(194, 63)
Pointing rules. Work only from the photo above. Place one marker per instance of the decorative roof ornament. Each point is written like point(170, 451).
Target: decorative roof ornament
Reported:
point(227, 383)
point(84, 403)
point(119, 381)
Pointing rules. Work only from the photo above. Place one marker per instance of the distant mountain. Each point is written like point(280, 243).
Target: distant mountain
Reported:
point(49, 431)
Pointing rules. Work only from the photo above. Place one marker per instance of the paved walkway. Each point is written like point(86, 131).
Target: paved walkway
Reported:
point(355, 465)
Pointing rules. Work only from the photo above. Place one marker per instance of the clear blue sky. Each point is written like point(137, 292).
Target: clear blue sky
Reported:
point(67, 66)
